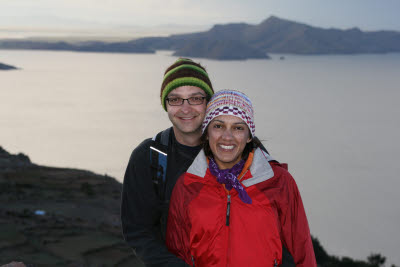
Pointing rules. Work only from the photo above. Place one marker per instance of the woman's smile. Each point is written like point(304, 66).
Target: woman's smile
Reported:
point(228, 136)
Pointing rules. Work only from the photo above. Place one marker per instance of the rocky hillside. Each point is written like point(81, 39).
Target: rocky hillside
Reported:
point(59, 217)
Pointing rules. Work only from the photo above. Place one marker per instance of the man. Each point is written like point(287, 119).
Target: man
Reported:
point(185, 90)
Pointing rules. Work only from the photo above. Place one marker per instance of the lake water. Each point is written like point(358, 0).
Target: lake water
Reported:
point(334, 119)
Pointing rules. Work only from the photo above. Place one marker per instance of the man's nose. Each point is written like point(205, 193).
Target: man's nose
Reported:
point(186, 107)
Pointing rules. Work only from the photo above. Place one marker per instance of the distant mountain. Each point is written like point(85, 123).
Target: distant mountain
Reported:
point(6, 67)
point(283, 36)
point(244, 41)
point(275, 35)
point(219, 49)
point(118, 47)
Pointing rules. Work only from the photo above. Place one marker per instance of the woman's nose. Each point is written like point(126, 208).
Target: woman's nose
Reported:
point(227, 134)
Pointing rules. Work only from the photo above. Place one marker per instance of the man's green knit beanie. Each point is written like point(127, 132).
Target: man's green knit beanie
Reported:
point(185, 72)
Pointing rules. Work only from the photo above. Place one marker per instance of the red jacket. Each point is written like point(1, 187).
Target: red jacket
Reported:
point(202, 230)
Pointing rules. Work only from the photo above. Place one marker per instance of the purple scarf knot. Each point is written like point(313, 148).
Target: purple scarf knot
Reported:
point(229, 177)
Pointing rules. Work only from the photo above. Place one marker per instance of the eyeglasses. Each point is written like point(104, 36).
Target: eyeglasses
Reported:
point(177, 101)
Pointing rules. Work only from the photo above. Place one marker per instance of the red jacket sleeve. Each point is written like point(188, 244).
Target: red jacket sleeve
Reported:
point(178, 232)
point(295, 230)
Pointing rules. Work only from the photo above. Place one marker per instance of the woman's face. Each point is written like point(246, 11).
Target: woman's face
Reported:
point(227, 136)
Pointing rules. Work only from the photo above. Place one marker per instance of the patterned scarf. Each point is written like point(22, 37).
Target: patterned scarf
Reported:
point(229, 178)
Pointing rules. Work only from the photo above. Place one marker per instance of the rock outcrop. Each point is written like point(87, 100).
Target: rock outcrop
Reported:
point(6, 67)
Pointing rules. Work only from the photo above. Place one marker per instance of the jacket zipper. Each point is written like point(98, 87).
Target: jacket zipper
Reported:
point(228, 205)
point(275, 263)
point(228, 213)
point(228, 210)
point(193, 260)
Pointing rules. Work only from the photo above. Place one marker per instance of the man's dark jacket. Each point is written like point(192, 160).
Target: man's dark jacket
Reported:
point(143, 213)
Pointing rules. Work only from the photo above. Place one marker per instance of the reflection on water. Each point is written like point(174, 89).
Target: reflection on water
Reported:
point(334, 119)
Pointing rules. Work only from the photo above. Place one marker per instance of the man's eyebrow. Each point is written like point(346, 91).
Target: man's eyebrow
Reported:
point(197, 93)
point(178, 95)
point(173, 95)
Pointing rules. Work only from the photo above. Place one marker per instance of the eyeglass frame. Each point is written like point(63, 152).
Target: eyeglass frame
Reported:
point(187, 99)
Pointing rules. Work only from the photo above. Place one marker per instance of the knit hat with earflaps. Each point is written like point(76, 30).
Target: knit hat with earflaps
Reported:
point(185, 72)
point(230, 102)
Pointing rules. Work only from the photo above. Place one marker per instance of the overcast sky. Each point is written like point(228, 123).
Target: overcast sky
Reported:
point(365, 14)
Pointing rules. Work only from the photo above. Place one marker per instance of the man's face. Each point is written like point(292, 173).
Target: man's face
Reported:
point(186, 119)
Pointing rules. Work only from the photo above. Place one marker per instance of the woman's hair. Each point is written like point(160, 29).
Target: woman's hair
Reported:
point(254, 143)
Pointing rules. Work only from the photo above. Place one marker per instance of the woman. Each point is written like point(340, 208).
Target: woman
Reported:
point(235, 205)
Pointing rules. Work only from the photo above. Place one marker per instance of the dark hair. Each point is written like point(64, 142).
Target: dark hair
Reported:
point(254, 143)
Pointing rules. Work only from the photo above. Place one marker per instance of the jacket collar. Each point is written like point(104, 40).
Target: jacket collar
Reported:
point(260, 168)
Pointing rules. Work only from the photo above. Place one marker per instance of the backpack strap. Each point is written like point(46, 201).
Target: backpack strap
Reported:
point(165, 137)
point(158, 162)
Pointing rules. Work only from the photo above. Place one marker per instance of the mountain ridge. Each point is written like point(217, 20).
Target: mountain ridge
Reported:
point(238, 41)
